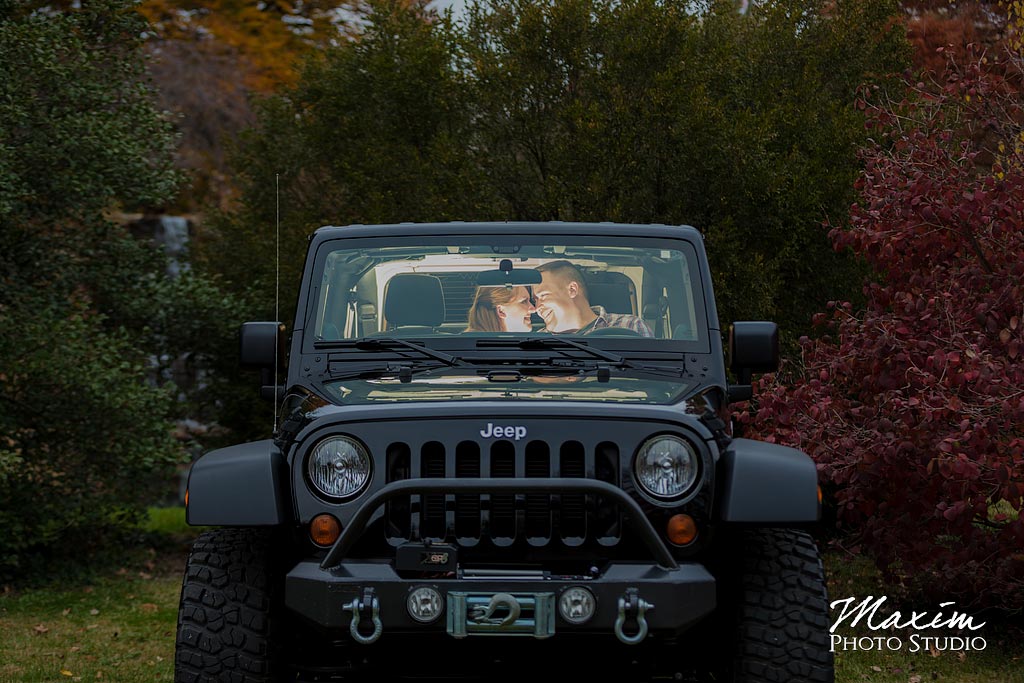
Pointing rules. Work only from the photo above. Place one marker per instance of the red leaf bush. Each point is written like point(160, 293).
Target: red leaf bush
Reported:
point(914, 407)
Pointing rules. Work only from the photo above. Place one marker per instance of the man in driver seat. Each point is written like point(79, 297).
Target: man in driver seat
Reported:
point(563, 304)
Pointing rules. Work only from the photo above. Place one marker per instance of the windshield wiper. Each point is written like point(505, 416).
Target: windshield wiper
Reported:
point(385, 342)
point(552, 342)
point(402, 372)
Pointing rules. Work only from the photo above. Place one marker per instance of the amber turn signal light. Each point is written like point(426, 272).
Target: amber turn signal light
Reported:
point(681, 529)
point(324, 530)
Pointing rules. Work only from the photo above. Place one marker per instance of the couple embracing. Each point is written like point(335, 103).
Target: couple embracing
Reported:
point(561, 300)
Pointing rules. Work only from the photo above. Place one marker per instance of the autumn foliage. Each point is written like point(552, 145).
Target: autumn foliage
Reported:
point(913, 408)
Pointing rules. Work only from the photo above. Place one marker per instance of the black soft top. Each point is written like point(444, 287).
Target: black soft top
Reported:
point(553, 228)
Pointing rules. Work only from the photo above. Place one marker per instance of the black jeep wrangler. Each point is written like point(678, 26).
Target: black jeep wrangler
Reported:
point(504, 448)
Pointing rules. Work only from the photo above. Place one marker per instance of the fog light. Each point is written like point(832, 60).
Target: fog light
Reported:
point(577, 605)
point(425, 605)
point(324, 530)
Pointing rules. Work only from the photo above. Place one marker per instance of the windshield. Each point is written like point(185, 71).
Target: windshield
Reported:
point(491, 285)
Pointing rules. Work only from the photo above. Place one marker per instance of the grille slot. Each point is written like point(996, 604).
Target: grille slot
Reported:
point(432, 466)
point(399, 510)
point(606, 517)
point(573, 521)
point(467, 507)
point(503, 506)
point(538, 506)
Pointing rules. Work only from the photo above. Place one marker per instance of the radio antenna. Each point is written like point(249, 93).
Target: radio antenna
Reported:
point(277, 285)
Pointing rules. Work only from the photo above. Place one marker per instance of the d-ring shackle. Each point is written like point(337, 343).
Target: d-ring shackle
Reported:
point(356, 607)
point(630, 601)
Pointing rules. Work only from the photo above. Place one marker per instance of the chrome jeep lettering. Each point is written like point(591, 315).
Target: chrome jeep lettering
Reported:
point(493, 431)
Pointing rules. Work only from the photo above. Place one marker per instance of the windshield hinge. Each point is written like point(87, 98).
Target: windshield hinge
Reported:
point(504, 376)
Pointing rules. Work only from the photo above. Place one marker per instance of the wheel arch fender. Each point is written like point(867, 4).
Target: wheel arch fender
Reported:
point(243, 485)
point(765, 483)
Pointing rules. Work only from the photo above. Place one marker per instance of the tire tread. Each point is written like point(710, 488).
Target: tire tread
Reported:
point(224, 619)
point(783, 611)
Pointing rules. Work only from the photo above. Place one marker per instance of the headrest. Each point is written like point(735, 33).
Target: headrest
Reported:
point(613, 296)
point(414, 299)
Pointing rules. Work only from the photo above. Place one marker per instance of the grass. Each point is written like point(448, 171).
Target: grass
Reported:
point(1001, 661)
point(168, 521)
point(120, 625)
point(117, 628)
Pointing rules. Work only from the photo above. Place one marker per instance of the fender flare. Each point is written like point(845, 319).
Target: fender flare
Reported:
point(764, 483)
point(243, 485)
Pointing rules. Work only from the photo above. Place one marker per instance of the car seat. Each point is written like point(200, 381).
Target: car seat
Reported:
point(613, 291)
point(413, 304)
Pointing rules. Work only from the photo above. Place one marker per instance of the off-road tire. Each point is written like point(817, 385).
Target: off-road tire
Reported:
point(229, 601)
point(781, 611)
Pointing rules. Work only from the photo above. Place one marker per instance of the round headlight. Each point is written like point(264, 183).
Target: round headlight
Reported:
point(339, 467)
point(666, 466)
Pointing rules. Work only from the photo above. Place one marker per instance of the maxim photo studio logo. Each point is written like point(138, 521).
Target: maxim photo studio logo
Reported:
point(943, 630)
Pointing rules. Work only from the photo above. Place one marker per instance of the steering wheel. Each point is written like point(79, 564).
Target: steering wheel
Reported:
point(613, 332)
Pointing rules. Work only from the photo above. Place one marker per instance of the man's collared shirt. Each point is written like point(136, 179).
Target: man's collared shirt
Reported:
point(606, 319)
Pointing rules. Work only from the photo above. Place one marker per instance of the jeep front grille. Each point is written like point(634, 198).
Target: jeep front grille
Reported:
point(503, 519)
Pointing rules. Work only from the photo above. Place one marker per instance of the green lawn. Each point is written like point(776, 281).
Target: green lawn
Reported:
point(1002, 660)
point(120, 626)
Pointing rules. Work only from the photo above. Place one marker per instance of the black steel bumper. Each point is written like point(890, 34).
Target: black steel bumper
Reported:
point(680, 596)
point(654, 595)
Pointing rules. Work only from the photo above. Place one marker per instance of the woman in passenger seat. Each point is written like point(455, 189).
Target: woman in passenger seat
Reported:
point(500, 309)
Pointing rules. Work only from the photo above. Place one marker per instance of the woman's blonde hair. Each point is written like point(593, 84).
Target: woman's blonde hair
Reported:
point(483, 314)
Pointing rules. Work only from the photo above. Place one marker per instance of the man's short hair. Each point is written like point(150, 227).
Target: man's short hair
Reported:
point(566, 272)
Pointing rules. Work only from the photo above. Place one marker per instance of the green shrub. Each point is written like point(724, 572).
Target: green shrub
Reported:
point(85, 310)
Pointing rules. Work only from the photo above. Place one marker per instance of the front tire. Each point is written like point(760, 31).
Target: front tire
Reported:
point(230, 601)
point(781, 611)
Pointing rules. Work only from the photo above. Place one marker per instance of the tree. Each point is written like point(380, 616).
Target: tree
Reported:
point(913, 407)
point(589, 110)
point(82, 437)
point(210, 57)
point(267, 37)
point(370, 133)
point(650, 112)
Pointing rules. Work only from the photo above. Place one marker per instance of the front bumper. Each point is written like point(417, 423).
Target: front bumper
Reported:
point(680, 596)
point(654, 595)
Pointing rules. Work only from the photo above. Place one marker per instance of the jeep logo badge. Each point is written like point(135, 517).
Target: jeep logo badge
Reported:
point(493, 431)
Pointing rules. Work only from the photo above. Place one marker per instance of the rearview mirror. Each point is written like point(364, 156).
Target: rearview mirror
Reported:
point(507, 276)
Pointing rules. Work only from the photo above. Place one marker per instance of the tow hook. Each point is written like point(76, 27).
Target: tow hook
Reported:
point(632, 607)
point(366, 608)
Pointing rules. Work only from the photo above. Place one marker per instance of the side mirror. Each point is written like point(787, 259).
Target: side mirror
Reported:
point(262, 347)
point(753, 347)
